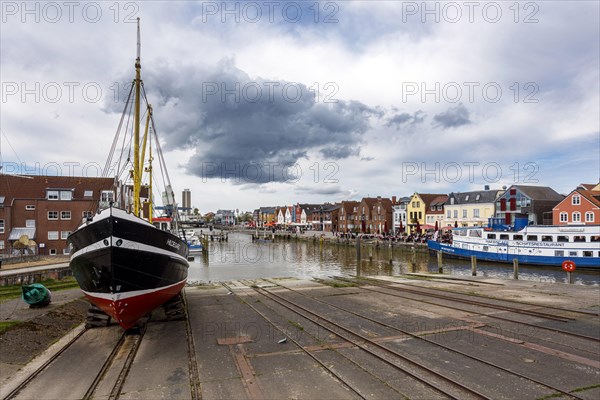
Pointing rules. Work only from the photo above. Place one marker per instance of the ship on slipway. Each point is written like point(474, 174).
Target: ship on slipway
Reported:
point(126, 263)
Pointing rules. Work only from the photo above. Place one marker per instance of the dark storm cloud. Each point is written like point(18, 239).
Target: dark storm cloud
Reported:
point(249, 130)
point(453, 117)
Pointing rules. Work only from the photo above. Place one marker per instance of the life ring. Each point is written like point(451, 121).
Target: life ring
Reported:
point(568, 266)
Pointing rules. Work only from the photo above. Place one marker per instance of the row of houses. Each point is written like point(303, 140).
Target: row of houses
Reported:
point(541, 205)
point(41, 211)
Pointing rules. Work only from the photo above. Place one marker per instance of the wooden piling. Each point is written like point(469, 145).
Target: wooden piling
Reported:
point(474, 265)
point(439, 262)
point(570, 277)
point(515, 268)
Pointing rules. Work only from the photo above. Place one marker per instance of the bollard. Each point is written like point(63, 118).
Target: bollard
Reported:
point(515, 268)
point(473, 265)
point(439, 262)
point(570, 277)
point(391, 253)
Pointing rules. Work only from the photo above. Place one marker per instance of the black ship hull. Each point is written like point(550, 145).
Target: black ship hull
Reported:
point(126, 266)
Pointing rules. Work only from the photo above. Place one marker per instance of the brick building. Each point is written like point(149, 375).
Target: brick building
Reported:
point(37, 213)
point(580, 207)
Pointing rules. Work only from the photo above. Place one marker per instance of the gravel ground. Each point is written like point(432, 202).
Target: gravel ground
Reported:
point(21, 343)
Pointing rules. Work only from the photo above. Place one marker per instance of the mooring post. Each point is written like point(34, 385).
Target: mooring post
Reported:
point(439, 262)
point(391, 252)
point(357, 255)
point(515, 268)
point(370, 253)
point(570, 277)
point(414, 257)
point(474, 265)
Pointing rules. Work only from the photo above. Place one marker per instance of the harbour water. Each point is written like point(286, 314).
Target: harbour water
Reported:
point(240, 258)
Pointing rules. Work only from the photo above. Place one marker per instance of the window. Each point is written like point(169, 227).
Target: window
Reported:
point(65, 215)
point(52, 252)
point(108, 195)
point(491, 236)
point(533, 238)
point(432, 208)
point(576, 216)
point(87, 214)
point(464, 213)
point(1, 244)
point(476, 213)
point(448, 214)
point(504, 236)
point(52, 215)
point(88, 193)
point(467, 198)
point(30, 223)
point(572, 254)
point(595, 239)
point(562, 238)
point(587, 254)
point(589, 216)
point(518, 237)
point(546, 238)
point(576, 200)
point(52, 235)
point(564, 217)
point(477, 197)
point(64, 234)
point(418, 204)
point(455, 213)
point(1, 226)
point(29, 207)
point(439, 208)
point(66, 195)
point(66, 251)
point(420, 215)
point(579, 239)
point(559, 253)
point(452, 200)
point(52, 195)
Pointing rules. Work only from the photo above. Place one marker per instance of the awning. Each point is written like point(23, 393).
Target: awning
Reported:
point(16, 233)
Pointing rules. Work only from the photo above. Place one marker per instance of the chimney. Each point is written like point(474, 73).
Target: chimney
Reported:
point(393, 199)
point(486, 187)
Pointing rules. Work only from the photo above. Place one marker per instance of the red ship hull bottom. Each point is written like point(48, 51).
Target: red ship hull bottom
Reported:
point(127, 308)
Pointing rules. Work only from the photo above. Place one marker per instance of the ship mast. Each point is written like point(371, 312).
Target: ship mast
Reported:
point(137, 169)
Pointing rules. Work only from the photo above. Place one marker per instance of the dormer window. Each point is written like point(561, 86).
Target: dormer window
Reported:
point(477, 197)
point(52, 194)
point(88, 193)
point(66, 195)
point(467, 198)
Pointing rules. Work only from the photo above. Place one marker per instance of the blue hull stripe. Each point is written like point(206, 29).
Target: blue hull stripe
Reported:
point(588, 262)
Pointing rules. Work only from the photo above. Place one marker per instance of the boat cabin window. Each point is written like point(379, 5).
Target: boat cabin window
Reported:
point(546, 238)
point(504, 236)
point(559, 253)
point(518, 237)
point(587, 254)
point(573, 254)
point(562, 238)
point(579, 238)
point(491, 236)
point(532, 238)
point(462, 233)
point(475, 233)
point(595, 239)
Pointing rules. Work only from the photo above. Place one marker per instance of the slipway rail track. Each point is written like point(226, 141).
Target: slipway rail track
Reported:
point(422, 338)
point(105, 376)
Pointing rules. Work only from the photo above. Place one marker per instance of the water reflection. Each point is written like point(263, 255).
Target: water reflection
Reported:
point(240, 258)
